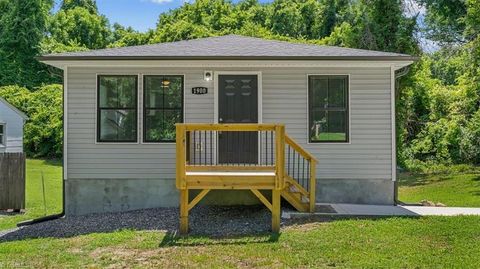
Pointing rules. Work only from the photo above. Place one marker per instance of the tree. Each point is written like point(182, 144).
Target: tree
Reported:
point(128, 37)
point(444, 21)
point(22, 27)
point(89, 5)
point(382, 25)
point(79, 22)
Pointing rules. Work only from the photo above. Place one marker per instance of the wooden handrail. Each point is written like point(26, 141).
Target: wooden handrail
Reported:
point(236, 127)
point(299, 148)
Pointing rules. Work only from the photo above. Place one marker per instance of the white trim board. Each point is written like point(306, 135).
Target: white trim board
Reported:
point(259, 91)
point(65, 123)
point(392, 110)
point(259, 100)
point(227, 63)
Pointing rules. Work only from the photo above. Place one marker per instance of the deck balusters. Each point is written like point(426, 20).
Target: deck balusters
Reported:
point(194, 161)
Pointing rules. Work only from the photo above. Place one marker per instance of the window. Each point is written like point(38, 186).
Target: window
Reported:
point(117, 108)
point(2, 134)
point(163, 107)
point(328, 108)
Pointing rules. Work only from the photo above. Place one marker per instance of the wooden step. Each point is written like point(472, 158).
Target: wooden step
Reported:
point(295, 201)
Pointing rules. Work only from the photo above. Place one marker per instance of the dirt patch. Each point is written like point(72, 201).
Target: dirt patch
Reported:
point(303, 227)
point(122, 257)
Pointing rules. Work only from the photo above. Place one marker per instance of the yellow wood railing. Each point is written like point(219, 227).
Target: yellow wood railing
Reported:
point(312, 172)
point(260, 175)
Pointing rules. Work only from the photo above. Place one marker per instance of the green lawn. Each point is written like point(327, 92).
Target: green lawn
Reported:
point(450, 189)
point(52, 173)
point(428, 242)
point(433, 242)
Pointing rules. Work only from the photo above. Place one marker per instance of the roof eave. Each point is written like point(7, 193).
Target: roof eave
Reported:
point(283, 58)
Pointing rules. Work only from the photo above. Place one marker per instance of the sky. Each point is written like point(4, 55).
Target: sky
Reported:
point(141, 15)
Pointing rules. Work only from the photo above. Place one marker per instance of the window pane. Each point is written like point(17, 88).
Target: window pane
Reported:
point(163, 91)
point(153, 91)
point(319, 126)
point(336, 93)
point(336, 125)
point(117, 91)
point(160, 124)
point(118, 125)
point(173, 92)
point(319, 92)
point(1, 129)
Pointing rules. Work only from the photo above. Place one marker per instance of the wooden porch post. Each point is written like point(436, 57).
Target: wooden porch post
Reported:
point(184, 211)
point(276, 211)
point(280, 176)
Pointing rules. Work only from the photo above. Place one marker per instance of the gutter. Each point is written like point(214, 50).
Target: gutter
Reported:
point(400, 73)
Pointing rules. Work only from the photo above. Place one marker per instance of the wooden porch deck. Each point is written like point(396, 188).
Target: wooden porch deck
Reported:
point(277, 168)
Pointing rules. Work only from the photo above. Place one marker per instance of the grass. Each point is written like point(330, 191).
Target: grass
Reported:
point(428, 242)
point(433, 242)
point(329, 137)
point(52, 172)
point(451, 189)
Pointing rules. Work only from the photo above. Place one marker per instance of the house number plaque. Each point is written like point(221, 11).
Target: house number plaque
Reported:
point(199, 90)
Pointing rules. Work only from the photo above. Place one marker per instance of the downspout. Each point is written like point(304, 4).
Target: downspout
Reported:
point(398, 74)
point(61, 214)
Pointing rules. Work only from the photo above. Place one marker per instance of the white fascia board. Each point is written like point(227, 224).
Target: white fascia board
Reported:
point(225, 63)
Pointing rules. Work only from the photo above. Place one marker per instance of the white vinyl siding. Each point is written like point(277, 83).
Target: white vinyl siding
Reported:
point(366, 156)
point(12, 130)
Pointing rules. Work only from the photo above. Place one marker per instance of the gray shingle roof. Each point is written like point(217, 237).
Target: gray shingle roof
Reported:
point(229, 47)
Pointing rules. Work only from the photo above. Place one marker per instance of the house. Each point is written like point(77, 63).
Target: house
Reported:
point(11, 127)
point(311, 123)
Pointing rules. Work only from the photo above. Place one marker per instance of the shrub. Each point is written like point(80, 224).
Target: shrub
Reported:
point(43, 133)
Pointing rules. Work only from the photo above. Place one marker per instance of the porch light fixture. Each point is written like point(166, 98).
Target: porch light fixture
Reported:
point(207, 75)
point(165, 82)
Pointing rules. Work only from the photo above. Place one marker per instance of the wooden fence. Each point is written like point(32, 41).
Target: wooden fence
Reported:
point(12, 181)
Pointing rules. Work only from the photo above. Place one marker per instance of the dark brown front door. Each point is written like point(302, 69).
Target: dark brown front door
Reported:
point(238, 103)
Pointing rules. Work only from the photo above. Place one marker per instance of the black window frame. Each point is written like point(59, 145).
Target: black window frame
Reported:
point(312, 108)
point(145, 108)
point(3, 137)
point(99, 109)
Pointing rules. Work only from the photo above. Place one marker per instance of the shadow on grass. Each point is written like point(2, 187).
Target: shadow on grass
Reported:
point(54, 162)
point(173, 239)
point(413, 180)
point(209, 225)
point(50, 162)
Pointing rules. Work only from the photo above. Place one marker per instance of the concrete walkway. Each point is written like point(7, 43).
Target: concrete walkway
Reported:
point(386, 210)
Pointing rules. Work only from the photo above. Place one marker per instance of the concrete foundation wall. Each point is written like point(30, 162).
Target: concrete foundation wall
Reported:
point(112, 195)
point(354, 191)
point(86, 196)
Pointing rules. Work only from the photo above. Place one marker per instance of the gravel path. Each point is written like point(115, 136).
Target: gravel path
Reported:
point(217, 221)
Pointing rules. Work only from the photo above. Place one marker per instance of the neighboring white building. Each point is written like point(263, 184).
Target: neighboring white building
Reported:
point(11, 127)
